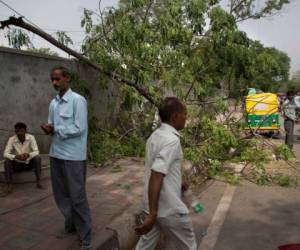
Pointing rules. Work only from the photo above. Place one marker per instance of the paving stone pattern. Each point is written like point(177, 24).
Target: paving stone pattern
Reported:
point(29, 218)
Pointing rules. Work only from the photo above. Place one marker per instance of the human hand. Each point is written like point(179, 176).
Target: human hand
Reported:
point(44, 128)
point(25, 156)
point(47, 128)
point(146, 226)
point(20, 157)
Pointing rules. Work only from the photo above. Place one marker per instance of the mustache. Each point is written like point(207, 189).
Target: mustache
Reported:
point(56, 87)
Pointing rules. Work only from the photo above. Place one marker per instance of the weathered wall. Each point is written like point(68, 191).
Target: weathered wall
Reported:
point(26, 90)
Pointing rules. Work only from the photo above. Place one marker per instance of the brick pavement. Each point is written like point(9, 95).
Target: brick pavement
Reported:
point(29, 218)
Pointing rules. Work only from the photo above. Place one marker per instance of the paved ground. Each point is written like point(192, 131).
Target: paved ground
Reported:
point(235, 218)
point(29, 218)
point(261, 218)
point(256, 218)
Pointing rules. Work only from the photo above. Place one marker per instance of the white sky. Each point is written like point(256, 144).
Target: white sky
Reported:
point(280, 31)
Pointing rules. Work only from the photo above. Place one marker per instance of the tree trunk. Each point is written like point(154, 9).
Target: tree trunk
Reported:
point(20, 23)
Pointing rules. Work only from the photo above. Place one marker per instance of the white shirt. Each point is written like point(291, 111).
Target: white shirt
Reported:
point(15, 147)
point(164, 155)
point(289, 109)
point(297, 101)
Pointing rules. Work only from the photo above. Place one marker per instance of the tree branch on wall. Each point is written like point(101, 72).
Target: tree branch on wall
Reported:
point(19, 22)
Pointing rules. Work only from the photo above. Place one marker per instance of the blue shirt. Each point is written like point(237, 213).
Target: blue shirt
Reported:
point(68, 115)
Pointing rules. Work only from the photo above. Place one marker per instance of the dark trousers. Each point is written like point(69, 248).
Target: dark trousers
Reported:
point(68, 184)
point(289, 132)
point(11, 166)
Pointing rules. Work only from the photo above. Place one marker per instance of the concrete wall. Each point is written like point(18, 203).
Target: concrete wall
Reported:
point(26, 90)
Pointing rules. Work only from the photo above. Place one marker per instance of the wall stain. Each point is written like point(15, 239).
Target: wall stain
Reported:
point(15, 79)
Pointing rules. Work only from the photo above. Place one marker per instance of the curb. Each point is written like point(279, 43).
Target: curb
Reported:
point(107, 239)
point(123, 226)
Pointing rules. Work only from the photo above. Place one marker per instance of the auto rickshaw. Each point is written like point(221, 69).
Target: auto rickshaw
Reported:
point(262, 113)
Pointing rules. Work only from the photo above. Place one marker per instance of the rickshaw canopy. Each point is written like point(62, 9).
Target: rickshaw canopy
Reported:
point(262, 104)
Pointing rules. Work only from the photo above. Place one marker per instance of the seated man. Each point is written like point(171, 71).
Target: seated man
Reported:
point(21, 152)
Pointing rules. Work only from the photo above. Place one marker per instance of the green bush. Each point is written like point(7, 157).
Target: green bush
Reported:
point(104, 146)
point(283, 152)
point(286, 180)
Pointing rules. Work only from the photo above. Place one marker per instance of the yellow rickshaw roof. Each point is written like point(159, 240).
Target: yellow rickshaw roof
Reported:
point(262, 104)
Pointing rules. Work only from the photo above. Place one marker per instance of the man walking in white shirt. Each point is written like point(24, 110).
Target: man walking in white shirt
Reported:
point(163, 181)
point(21, 152)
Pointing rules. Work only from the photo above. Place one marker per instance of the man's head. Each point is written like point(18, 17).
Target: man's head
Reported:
point(173, 112)
point(290, 94)
point(21, 130)
point(60, 78)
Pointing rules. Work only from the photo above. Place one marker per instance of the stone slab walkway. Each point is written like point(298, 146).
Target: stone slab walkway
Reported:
point(29, 218)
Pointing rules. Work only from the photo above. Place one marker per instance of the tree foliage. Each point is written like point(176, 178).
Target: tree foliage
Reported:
point(293, 84)
point(246, 9)
point(17, 39)
point(270, 69)
point(192, 49)
point(187, 47)
point(63, 38)
point(46, 51)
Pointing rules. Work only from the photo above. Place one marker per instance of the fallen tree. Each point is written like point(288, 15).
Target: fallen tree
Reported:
point(192, 49)
point(19, 22)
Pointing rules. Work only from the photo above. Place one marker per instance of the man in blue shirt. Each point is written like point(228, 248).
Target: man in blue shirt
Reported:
point(67, 123)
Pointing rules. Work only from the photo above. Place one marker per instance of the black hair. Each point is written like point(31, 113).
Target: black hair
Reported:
point(168, 107)
point(64, 71)
point(20, 125)
point(290, 93)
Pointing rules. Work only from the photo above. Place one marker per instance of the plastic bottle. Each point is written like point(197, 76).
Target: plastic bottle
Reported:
point(194, 202)
point(198, 207)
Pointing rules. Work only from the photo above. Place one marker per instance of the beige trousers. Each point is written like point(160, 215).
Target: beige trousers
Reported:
point(178, 228)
